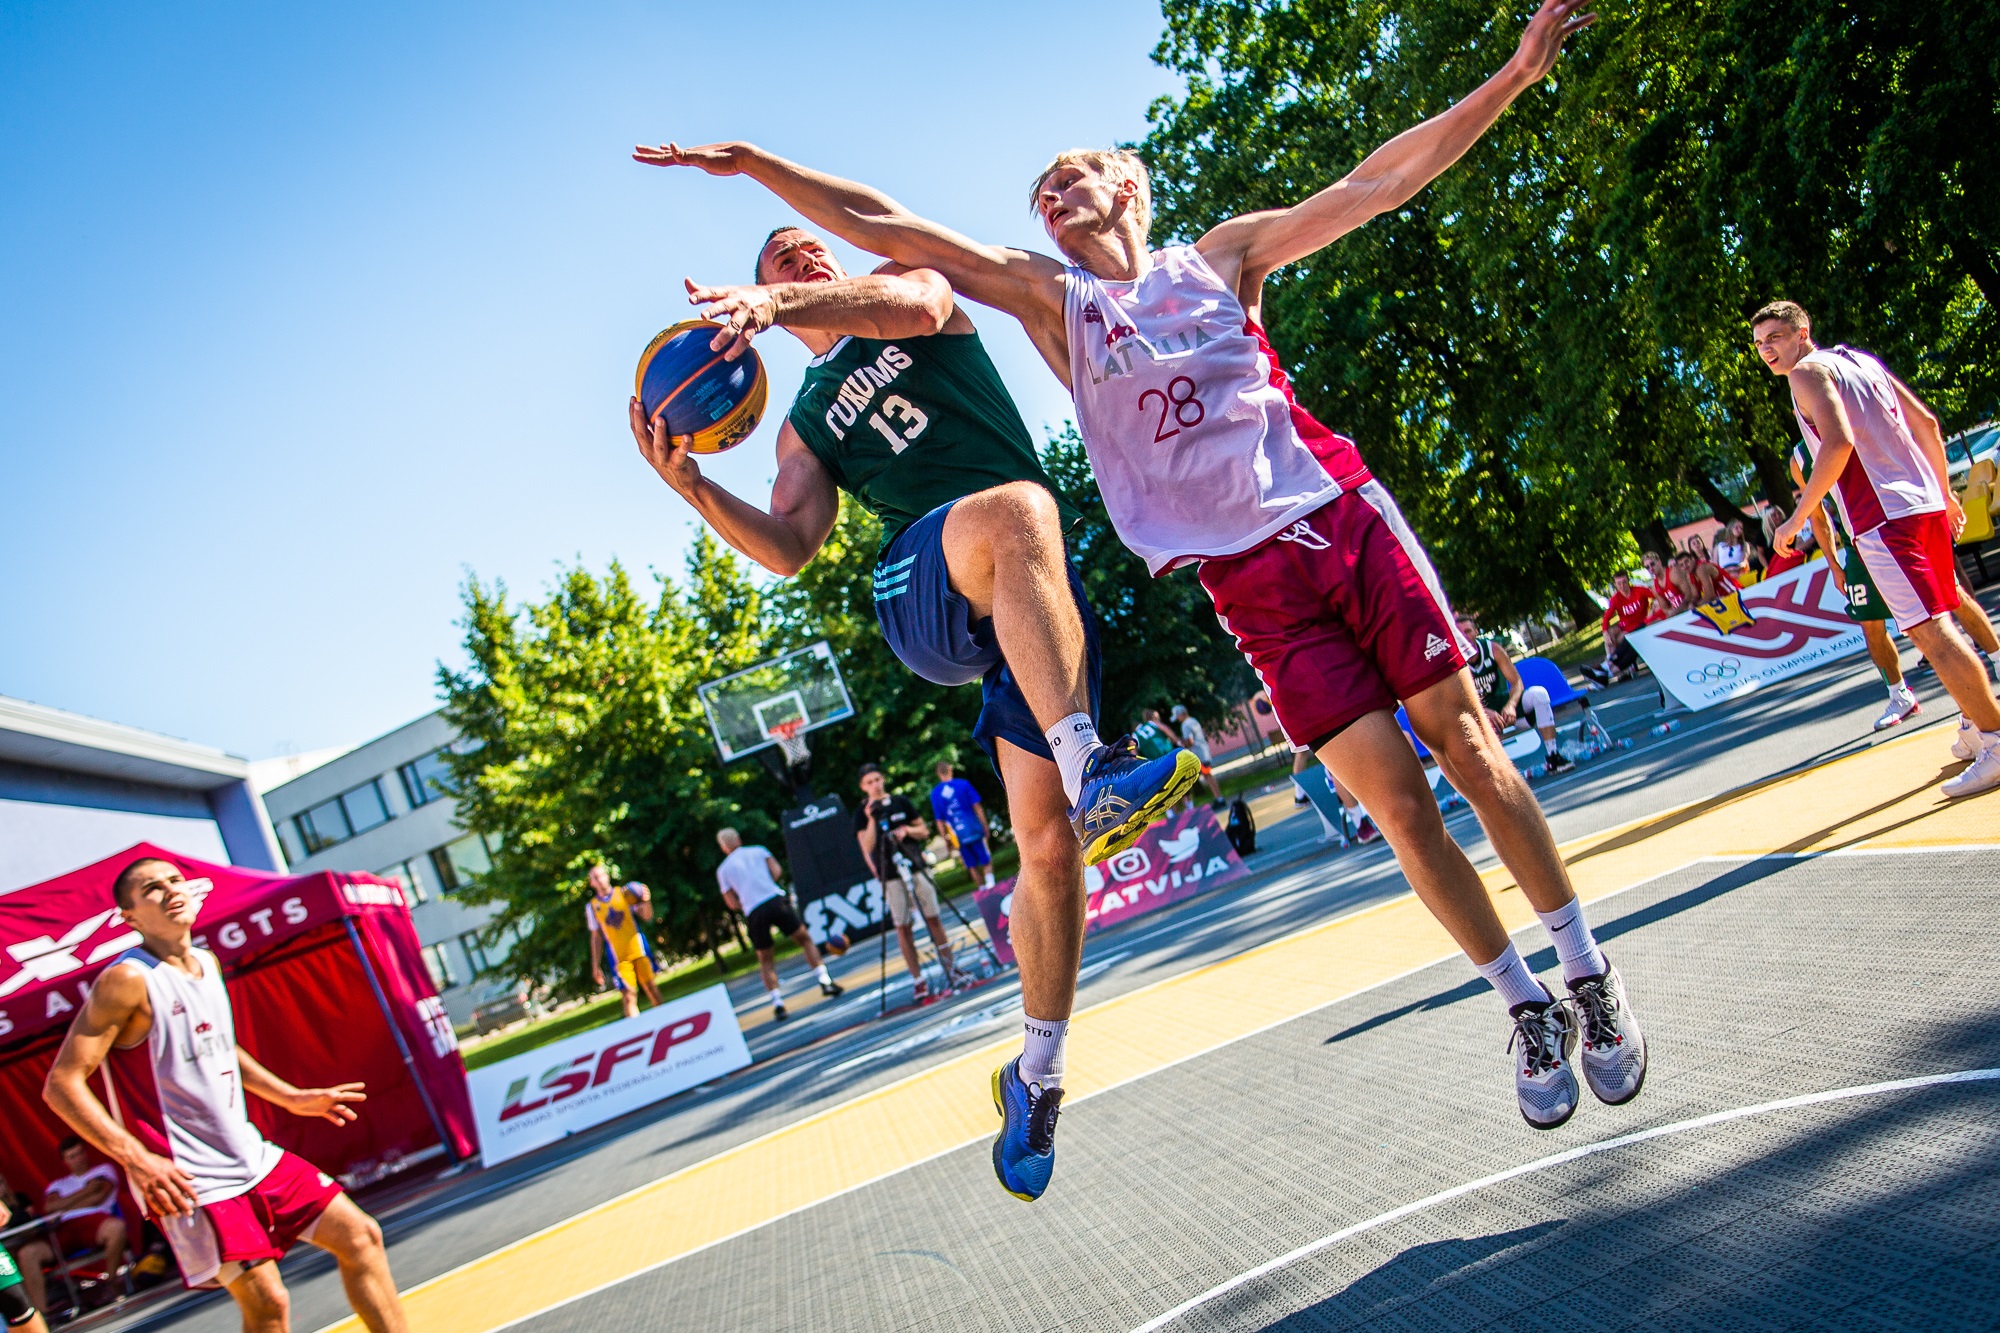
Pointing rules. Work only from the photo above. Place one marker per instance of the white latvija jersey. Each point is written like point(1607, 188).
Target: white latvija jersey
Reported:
point(180, 1092)
point(1888, 477)
point(1191, 439)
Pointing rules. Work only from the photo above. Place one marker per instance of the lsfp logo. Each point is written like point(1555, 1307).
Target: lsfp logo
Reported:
point(595, 1068)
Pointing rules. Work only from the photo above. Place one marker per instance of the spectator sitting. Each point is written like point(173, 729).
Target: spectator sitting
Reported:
point(84, 1206)
point(1506, 698)
point(1630, 608)
point(1680, 581)
point(1709, 580)
point(1732, 552)
point(1658, 587)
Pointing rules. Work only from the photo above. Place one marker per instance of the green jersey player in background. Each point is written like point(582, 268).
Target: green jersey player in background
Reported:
point(902, 409)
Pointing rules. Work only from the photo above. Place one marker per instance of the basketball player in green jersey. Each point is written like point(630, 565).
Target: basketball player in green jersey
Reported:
point(902, 409)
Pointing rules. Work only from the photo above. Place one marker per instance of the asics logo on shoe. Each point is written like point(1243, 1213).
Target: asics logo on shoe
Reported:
point(1110, 809)
point(1433, 645)
point(1302, 533)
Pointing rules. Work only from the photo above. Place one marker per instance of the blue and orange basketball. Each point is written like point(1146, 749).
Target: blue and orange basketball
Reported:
point(711, 403)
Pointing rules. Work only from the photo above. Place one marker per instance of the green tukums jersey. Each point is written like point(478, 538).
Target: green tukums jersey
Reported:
point(908, 424)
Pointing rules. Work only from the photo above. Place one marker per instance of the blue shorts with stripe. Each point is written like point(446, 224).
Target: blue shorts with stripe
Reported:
point(929, 627)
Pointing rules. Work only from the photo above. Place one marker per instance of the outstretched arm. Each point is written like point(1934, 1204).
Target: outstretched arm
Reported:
point(908, 303)
point(1388, 177)
point(330, 1104)
point(804, 500)
point(1025, 285)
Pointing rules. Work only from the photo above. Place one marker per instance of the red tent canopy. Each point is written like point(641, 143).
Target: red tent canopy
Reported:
point(327, 983)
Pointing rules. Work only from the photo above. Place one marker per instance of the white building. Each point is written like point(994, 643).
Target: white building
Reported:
point(75, 789)
point(378, 808)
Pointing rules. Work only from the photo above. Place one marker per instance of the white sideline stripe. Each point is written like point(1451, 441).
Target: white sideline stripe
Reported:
point(1558, 1159)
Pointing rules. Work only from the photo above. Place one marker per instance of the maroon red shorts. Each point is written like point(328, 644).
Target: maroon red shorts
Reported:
point(224, 1238)
point(1913, 565)
point(80, 1233)
point(1341, 614)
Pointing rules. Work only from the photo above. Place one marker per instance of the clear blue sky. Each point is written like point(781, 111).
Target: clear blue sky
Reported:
point(307, 311)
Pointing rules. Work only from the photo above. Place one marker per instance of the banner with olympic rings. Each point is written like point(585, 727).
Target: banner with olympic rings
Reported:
point(1780, 627)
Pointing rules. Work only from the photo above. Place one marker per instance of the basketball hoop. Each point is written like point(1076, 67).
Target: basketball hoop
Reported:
point(790, 736)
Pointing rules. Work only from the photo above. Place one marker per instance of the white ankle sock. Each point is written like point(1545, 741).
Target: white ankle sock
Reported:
point(1073, 740)
point(1898, 692)
point(1510, 976)
point(1042, 1055)
point(825, 977)
point(777, 998)
point(1575, 945)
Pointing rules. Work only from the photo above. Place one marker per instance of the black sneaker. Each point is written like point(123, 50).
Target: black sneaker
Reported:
point(779, 1013)
point(1557, 764)
point(833, 990)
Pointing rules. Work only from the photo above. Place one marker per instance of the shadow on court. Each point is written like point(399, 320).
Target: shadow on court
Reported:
point(1880, 1213)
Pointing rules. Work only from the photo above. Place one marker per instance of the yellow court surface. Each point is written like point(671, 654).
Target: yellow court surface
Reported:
point(1884, 797)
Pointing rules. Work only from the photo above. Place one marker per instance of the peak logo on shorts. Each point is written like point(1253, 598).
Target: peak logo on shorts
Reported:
point(1433, 645)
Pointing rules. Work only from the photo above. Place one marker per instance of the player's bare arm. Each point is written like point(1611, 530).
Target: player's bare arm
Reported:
point(1247, 247)
point(804, 500)
point(1025, 285)
point(643, 909)
point(1819, 403)
point(117, 1013)
point(1516, 687)
point(908, 303)
point(1925, 431)
point(329, 1104)
point(1822, 526)
point(88, 1195)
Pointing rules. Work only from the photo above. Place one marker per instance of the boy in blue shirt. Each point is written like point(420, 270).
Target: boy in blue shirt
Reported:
point(956, 804)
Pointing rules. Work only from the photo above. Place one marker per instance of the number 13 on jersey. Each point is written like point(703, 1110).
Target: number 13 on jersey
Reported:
point(909, 420)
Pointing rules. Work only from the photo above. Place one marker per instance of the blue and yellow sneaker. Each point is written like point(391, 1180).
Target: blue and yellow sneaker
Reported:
point(1123, 793)
point(1024, 1156)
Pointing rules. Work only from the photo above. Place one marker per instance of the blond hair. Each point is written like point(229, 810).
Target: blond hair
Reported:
point(1789, 313)
point(1119, 164)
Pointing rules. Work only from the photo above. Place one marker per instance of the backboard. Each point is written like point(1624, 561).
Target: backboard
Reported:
point(748, 709)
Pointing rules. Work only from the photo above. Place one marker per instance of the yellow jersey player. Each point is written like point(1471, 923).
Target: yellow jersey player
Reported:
point(613, 915)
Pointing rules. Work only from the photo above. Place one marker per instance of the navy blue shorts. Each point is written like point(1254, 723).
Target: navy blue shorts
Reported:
point(929, 627)
point(973, 852)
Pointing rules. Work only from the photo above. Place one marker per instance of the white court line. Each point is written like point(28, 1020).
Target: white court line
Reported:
point(1558, 1159)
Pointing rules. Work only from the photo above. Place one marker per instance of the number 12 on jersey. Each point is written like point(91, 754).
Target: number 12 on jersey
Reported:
point(906, 414)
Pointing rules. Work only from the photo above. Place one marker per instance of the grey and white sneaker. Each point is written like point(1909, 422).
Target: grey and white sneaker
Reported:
point(1544, 1078)
point(1982, 775)
point(1614, 1049)
point(1965, 745)
point(1902, 704)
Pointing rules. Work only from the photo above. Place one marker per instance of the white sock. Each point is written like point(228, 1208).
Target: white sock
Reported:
point(1042, 1055)
point(1072, 741)
point(1510, 976)
point(1898, 691)
point(777, 998)
point(825, 977)
point(1575, 945)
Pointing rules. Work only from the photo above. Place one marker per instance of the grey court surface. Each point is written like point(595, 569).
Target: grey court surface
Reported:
point(1758, 981)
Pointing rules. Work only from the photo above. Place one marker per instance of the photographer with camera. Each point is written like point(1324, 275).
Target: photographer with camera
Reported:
point(892, 837)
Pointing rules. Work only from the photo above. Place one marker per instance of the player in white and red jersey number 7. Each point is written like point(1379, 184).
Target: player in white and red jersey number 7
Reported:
point(230, 1202)
point(1202, 458)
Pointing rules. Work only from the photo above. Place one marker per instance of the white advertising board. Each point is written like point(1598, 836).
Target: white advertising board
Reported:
point(553, 1091)
point(1718, 650)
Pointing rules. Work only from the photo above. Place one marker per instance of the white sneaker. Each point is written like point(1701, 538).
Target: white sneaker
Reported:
point(1902, 704)
point(1965, 745)
point(1983, 775)
point(1544, 1078)
point(1614, 1049)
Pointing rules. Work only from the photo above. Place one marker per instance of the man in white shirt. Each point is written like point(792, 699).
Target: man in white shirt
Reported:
point(1196, 741)
point(84, 1204)
point(749, 880)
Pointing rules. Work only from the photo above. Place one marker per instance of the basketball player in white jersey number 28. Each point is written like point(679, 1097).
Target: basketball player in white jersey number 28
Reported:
point(1202, 458)
point(1877, 451)
point(230, 1202)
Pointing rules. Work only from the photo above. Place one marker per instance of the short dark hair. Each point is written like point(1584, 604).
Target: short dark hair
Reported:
point(757, 265)
point(69, 1141)
point(866, 769)
point(1789, 313)
point(128, 879)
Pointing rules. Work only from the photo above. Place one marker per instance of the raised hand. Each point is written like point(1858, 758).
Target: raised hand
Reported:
point(670, 459)
point(744, 312)
point(717, 159)
point(329, 1104)
point(1543, 39)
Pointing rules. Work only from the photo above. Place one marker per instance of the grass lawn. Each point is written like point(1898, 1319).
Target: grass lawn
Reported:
point(1576, 647)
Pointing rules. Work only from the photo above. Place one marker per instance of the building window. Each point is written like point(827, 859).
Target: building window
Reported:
point(405, 874)
point(459, 864)
point(337, 820)
point(288, 839)
point(426, 779)
point(438, 959)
